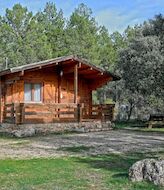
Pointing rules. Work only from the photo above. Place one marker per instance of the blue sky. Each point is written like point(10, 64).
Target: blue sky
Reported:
point(114, 14)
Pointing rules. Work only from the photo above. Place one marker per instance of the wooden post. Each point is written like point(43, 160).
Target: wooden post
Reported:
point(75, 83)
point(79, 113)
point(59, 86)
point(22, 113)
point(90, 105)
point(12, 112)
point(17, 113)
point(102, 114)
point(112, 117)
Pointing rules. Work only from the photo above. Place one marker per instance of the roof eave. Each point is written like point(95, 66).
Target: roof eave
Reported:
point(59, 59)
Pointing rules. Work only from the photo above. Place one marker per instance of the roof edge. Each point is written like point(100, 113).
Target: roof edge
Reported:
point(55, 60)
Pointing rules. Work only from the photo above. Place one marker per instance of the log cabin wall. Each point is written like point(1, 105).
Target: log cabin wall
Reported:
point(13, 89)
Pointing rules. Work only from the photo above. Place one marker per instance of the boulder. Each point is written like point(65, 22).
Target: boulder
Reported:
point(24, 132)
point(148, 169)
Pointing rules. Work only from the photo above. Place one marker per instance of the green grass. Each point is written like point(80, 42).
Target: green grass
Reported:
point(134, 124)
point(103, 172)
point(138, 126)
point(75, 149)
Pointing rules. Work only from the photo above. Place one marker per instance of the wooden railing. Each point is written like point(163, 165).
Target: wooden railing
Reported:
point(20, 113)
point(8, 113)
point(103, 112)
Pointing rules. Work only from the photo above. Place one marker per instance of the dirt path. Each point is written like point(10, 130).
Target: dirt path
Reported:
point(120, 141)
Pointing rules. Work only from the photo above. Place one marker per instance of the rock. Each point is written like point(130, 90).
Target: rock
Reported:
point(148, 169)
point(79, 130)
point(107, 124)
point(24, 132)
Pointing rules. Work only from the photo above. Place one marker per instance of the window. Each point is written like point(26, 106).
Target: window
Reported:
point(32, 92)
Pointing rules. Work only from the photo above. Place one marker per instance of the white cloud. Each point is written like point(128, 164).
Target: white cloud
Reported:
point(117, 19)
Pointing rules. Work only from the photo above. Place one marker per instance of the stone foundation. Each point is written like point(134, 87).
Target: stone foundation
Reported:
point(35, 129)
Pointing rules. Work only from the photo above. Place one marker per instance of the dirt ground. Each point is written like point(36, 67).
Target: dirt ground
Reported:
point(117, 141)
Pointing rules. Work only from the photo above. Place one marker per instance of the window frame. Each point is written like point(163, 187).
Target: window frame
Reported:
point(32, 83)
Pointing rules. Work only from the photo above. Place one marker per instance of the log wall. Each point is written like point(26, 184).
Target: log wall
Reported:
point(13, 91)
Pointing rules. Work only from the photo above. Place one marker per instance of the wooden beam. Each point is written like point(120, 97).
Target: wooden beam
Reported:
point(22, 73)
point(75, 83)
point(10, 81)
point(70, 69)
point(87, 70)
point(79, 65)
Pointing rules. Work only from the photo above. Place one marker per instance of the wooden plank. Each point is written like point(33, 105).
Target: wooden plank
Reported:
point(49, 113)
point(48, 105)
point(37, 113)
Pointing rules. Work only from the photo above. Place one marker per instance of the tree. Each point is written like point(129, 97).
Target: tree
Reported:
point(141, 63)
point(82, 34)
point(22, 37)
point(53, 23)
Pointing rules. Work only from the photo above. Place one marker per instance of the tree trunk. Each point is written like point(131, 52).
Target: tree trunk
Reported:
point(130, 111)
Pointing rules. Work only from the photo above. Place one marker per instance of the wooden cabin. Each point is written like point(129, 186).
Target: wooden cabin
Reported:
point(55, 90)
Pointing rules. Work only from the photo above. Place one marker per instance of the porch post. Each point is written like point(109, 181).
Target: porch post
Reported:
point(59, 84)
point(75, 83)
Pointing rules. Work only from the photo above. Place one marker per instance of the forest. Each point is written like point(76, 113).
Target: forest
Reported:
point(137, 54)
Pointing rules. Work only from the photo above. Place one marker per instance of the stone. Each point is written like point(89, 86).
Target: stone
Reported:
point(148, 169)
point(79, 130)
point(24, 132)
point(107, 124)
point(28, 130)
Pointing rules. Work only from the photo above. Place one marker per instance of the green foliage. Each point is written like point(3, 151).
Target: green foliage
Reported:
point(82, 34)
point(28, 37)
point(141, 64)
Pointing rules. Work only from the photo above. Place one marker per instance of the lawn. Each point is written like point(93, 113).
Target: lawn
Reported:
point(101, 172)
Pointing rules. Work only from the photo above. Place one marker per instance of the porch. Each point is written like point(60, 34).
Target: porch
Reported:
point(22, 113)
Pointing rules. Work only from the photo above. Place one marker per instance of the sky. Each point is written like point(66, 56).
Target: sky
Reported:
point(115, 15)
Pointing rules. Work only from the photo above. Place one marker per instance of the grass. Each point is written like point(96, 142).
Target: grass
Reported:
point(102, 172)
point(138, 126)
point(75, 149)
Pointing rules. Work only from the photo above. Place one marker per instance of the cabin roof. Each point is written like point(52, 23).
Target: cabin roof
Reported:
point(55, 61)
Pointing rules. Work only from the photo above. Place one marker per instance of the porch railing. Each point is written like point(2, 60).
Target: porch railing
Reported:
point(20, 113)
point(103, 112)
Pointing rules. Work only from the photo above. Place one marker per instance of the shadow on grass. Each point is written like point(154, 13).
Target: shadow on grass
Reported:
point(75, 149)
point(118, 164)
